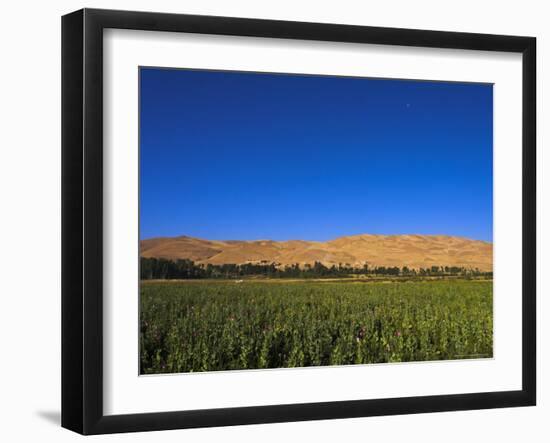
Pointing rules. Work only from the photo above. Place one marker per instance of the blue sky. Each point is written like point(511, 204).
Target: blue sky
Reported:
point(233, 155)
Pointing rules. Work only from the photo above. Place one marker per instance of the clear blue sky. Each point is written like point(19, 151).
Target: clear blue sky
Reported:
point(231, 155)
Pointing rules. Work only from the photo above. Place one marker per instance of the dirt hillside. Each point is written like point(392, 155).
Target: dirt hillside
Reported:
point(414, 251)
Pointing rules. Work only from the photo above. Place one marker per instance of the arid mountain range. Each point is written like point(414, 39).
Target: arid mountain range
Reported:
point(414, 251)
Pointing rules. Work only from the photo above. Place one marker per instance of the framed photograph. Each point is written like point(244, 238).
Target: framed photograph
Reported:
point(269, 221)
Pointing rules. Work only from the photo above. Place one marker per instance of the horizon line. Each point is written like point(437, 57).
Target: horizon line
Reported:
point(316, 241)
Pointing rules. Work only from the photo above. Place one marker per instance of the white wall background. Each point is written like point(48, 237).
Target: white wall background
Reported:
point(30, 218)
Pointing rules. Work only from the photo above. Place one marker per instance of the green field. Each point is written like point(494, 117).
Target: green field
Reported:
point(205, 325)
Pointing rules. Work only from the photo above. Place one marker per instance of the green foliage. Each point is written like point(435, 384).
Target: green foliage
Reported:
point(164, 269)
point(213, 325)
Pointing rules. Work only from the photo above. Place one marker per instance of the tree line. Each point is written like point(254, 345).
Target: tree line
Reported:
point(160, 268)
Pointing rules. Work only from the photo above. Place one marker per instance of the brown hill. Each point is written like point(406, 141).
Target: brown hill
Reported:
point(414, 251)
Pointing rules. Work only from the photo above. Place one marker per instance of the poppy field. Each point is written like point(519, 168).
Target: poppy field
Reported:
point(193, 326)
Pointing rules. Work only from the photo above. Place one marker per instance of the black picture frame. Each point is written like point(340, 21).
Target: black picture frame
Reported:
point(82, 218)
